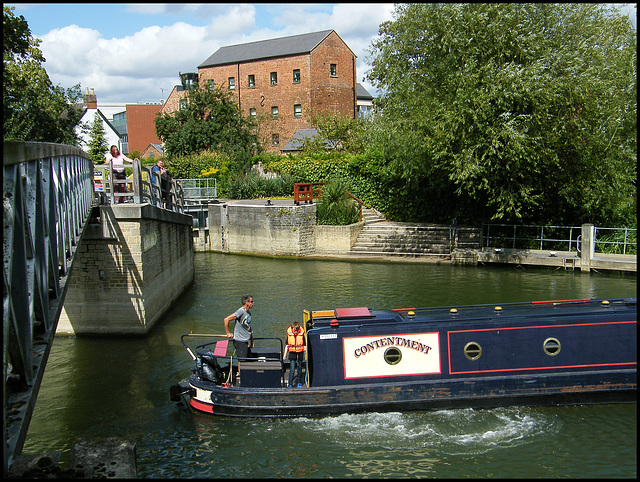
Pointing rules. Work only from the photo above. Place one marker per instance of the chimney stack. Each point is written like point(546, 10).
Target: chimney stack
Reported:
point(90, 99)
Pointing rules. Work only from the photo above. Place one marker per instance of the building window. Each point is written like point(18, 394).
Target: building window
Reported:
point(297, 110)
point(296, 76)
point(211, 85)
point(183, 104)
point(333, 70)
point(274, 78)
point(274, 111)
point(232, 83)
point(253, 112)
point(252, 81)
point(275, 139)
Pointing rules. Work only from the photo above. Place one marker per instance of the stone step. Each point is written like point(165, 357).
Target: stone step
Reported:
point(401, 254)
point(387, 238)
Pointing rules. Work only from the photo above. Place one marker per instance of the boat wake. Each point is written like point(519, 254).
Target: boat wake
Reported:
point(455, 432)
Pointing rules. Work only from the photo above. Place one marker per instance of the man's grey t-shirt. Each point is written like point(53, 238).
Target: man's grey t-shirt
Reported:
point(242, 330)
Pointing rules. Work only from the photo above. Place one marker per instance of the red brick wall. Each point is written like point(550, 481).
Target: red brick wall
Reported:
point(141, 128)
point(317, 90)
point(172, 103)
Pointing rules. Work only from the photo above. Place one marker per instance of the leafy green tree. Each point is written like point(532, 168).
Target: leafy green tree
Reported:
point(33, 109)
point(98, 145)
point(343, 133)
point(510, 111)
point(210, 121)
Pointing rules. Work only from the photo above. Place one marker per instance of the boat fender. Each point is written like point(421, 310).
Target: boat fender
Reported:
point(453, 312)
point(498, 309)
point(605, 303)
point(334, 323)
point(176, 392)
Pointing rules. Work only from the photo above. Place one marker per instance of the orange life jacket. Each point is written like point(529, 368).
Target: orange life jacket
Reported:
point(295, 341)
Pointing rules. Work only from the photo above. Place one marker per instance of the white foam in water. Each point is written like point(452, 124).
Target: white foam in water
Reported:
point(460, 431)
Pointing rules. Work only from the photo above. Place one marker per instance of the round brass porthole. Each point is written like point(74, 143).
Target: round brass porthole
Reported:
point(392, 355)
point(472, 350)
point(551, 346)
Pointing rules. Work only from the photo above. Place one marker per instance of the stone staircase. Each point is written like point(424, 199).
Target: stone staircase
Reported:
point(385, 238)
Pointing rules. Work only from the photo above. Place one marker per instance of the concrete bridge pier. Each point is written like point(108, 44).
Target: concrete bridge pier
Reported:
point(133, 263)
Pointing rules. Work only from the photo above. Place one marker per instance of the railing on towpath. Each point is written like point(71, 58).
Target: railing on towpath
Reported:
point(560, 238)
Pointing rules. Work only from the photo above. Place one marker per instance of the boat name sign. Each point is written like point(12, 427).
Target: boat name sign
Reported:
point(391, 355)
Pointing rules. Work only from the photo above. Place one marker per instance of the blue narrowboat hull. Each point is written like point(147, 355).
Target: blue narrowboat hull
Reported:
point(539, 354)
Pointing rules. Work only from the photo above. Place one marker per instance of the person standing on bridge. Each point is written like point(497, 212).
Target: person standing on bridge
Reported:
point(165, 181)
point(242, 332)
point(117, 160)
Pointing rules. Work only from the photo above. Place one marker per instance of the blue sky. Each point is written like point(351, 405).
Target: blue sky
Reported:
point(134, 52)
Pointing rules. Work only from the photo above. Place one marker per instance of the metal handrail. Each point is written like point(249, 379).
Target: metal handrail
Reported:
point(573, 243)
point(48, 196)
point(199, 188)
point(143, 190)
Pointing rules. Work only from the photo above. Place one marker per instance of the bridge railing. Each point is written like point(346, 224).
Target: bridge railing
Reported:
point(141, 186)
point(48, 194)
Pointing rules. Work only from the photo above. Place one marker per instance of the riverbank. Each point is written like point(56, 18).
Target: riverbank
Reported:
point(280, 228)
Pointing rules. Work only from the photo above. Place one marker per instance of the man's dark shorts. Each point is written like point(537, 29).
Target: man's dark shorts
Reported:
point(242, 349)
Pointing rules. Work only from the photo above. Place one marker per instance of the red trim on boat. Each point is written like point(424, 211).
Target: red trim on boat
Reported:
point(558, 301)
point(203, 407)
point(535, 368)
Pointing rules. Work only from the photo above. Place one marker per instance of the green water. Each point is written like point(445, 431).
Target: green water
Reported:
point(119, 387)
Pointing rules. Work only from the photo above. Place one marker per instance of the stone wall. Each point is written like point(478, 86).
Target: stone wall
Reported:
point(336, 239)
point(258, 228)
point(132, 264)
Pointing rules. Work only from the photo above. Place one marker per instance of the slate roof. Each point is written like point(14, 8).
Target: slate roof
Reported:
point(295, 143)
point(362, 93)
point(264, 49)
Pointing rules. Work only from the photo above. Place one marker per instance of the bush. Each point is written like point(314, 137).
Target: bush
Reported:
point(335, 206)
point(253, 186)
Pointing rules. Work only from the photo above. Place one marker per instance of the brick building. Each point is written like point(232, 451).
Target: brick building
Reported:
point(141, 126)
point(281, 81)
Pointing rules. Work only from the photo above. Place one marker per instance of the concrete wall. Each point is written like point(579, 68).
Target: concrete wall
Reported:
point(133, 263)
point(257, 228)
point(336, 239)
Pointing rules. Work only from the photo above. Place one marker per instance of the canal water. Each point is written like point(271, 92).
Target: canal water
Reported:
point(119, 387)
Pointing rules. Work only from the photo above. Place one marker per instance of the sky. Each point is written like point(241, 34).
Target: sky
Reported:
point(132, 53)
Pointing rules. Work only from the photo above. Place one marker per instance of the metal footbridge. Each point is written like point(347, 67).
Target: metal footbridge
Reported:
point(48, 195)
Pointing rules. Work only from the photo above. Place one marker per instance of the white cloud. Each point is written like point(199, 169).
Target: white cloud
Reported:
point(133, 63)
point(145, 65)
point(236, 20)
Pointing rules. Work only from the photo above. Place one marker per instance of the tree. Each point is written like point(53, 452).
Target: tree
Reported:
point(98, 145)
point(341, 132)
point(33, 109)
point(210, 121)
point(512, 111)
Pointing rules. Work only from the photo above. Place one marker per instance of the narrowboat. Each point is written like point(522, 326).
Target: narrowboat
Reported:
point(562, 352)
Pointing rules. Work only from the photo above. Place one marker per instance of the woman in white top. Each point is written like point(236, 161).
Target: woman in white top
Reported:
point(118, 160)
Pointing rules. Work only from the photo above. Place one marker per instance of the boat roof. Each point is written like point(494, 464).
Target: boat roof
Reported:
point(364, 315)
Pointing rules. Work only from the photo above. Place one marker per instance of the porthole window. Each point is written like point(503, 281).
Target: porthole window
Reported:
point(472, 350)
point(392, 355)
point(551, 346)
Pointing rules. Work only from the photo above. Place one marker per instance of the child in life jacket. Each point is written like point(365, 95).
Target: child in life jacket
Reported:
point(295, 349)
